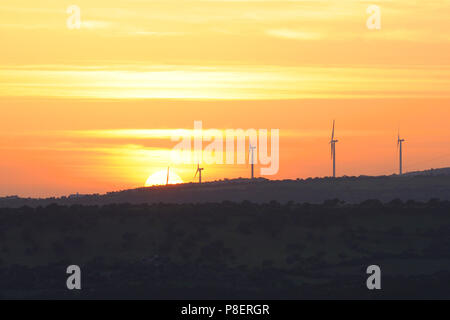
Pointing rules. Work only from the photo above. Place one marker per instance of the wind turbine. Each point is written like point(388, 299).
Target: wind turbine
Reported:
point(167, 181)
point(333, 150)
point(199, 171)
point(400, 149)
point(252, 162)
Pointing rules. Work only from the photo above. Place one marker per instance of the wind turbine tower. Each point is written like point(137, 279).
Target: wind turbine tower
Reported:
point(333, 150)
point(199, 172)
point(400, 149)
point(252, 161)
point(167, 181)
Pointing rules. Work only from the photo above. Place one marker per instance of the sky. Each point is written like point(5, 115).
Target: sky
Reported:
point(92, 109)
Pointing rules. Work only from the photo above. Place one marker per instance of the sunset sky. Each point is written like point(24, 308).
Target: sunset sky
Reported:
point(92, 109)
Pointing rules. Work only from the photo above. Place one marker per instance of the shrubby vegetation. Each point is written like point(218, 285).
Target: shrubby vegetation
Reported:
point(227, 250)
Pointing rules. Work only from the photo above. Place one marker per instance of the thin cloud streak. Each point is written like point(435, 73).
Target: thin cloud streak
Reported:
point(224, 82)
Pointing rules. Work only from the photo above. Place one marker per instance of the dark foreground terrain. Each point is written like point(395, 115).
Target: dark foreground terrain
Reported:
point(227, 250)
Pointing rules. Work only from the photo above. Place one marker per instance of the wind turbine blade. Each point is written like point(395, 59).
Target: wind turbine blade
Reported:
point(332, 132)
point(167, 181)
point(198, 169)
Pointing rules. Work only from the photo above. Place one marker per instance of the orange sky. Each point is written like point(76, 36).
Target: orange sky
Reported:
point(146, 65)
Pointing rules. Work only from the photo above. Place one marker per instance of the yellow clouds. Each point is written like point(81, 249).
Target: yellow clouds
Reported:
point(187, 31)
point(133, 133)
point(224, 82)
point(224, 50)
point(294, 34)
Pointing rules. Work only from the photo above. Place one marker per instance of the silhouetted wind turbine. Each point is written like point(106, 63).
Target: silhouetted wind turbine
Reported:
point(252, 162)
point(333, 150)
point(400, 149)
point(199, 172)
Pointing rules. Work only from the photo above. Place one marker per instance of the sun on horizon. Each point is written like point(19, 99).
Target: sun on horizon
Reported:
point(160, 178)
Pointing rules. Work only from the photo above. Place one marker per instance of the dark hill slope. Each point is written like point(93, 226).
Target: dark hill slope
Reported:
point(349, 189)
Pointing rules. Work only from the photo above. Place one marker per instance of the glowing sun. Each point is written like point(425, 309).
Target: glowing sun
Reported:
point(160, 178)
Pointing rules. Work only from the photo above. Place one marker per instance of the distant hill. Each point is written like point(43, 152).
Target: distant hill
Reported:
point(419, 186)
point(431, 172)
